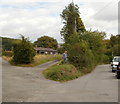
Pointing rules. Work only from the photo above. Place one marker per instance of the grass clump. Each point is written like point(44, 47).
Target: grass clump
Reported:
point(61, 72)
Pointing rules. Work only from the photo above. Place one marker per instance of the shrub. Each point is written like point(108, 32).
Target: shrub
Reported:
point(23, 52)
point(86, 50)
point(79, 53)
point(96, 44)
point(80, 56)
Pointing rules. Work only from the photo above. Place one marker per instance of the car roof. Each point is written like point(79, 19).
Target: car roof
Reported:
point(117, 57)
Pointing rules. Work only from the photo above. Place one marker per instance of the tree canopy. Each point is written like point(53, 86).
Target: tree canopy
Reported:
point(46, 42)
point(72, 21)
point(115, 45)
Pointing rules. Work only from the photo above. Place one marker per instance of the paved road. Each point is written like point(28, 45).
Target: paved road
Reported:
point(29, 85)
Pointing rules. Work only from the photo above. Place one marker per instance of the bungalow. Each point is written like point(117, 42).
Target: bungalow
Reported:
point(40, 50)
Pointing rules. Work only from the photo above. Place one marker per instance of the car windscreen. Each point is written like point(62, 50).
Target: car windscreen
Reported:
point(116, 59)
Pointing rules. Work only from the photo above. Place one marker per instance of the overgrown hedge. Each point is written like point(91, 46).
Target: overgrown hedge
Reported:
point(86, 50)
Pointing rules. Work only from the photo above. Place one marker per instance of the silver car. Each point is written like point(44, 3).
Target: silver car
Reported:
point(115, 62)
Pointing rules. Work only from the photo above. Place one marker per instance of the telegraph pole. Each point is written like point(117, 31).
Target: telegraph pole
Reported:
point(72, 1)
point(75, 17)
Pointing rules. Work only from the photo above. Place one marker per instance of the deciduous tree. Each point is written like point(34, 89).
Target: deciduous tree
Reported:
point(46, 42)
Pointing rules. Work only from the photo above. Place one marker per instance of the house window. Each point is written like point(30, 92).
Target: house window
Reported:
point(42, 52)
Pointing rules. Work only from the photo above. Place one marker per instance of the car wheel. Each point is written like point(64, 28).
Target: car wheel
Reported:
point(117, 75)
point(113, 70)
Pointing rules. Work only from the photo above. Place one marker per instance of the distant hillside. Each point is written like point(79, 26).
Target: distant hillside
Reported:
point(7, 43)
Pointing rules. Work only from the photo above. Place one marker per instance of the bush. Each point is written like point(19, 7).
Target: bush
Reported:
point(96, 44)
point(23, 52)
point(80, 56)
point(86, 50)
point(79, 53)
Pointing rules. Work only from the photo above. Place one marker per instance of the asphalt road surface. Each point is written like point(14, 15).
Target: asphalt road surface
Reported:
point(23, 84)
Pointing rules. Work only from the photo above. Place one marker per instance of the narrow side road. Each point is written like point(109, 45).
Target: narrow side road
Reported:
point(28, 85)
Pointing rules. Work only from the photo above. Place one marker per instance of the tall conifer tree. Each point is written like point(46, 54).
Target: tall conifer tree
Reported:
point(72, 21)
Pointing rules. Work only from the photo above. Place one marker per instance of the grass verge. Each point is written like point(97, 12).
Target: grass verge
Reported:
point(38, 59)
point(64, 72)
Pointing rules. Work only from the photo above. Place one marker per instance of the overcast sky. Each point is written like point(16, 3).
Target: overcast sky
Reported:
point(36, 18)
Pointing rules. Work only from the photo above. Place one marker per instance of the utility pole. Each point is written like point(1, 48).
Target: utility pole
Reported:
point(75, 17)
